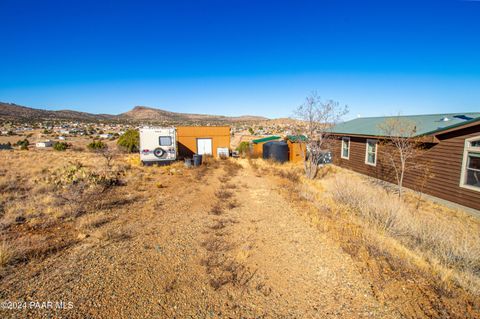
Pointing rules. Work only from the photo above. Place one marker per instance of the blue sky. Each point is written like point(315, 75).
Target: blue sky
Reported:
point(237, 57)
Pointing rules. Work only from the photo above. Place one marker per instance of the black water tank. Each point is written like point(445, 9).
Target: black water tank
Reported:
point(279, 152)
point(266, 150)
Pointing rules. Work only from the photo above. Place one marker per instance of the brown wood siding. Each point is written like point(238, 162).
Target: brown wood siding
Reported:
point(445, 162)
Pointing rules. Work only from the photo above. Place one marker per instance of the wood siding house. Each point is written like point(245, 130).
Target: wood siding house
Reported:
point(451, 150)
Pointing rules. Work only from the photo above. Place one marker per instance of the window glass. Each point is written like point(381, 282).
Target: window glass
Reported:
point(474, 161)
point(371, 156)
point(165, 141)
point(473, 169)
point(345, 147)
point(475, 144)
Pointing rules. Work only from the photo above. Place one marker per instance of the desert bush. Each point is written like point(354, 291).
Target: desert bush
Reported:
point(130, 141)
point(60, 146)
point(23, 144)
point(80, 188)
point(244, 148)
point(96, 145)
point(452, 244)
point(223, 194)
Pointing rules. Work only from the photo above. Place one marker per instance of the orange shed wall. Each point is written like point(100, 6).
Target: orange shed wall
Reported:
point(187, 138)
point(295, 152)
point(257, 150)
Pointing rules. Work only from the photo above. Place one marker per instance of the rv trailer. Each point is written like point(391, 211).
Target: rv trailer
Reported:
point(158, 145)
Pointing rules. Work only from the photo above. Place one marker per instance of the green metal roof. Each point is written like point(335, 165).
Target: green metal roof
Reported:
point(296, 138)
point(266, 139)
point(425, 124)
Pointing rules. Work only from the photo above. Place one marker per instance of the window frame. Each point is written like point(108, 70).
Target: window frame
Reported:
point(163, 136)
point(346, 138)
point(467, 150)
point(366, 151)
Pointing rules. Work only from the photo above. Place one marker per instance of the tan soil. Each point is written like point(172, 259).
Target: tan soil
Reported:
point(168, 254)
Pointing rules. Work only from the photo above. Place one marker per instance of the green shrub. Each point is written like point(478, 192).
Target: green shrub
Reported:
point(244, 148)
point(60, 146)
point(96, 146)
point(23, 144)
point(130, 141)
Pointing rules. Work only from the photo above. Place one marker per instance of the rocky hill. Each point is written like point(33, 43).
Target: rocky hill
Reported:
point(144, 113)
point(14, 112)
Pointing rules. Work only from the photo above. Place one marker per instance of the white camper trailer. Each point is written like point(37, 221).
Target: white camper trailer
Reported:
point(158, 145)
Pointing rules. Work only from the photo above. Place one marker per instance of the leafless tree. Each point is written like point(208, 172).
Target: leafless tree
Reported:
point(402, 149)
point(317, 117)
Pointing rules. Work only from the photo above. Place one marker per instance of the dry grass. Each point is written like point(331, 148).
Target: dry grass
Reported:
point(451, 243)
point(6, 254)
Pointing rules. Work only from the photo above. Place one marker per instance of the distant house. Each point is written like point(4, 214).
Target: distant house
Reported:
point(44, 144)
point(452, 149)
point(106, 136)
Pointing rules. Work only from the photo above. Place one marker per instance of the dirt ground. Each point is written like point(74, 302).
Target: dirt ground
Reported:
point(221, 241)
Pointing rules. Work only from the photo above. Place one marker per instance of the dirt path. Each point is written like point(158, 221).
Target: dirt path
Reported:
point(208, 246)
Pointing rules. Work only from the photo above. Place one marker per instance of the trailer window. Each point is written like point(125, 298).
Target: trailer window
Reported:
point(165, 141)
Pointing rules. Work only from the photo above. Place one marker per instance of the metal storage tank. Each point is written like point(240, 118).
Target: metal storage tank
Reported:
point(279, 152)
point(266, 150)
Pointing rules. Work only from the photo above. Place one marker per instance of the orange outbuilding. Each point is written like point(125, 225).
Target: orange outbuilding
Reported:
point(296, 146)
point(204, 140)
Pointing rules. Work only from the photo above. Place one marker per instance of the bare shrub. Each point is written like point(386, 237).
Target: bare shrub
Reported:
point(216, 210)
point(78, 187)
point(223, 194)
point(318, 116)
point(233, 204)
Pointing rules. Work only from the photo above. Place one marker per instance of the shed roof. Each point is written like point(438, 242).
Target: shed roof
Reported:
point(427, 124)
point(266, 139)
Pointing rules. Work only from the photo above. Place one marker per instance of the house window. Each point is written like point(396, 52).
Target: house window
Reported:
point(165, 141)
point(346, 147)
point(471, 164)
point(371, 153)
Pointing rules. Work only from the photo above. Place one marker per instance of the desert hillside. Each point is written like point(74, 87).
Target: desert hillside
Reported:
point(14, 112)
point(144, 113)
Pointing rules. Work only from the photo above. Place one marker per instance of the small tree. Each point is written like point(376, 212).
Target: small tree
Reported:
point(96, 145)
point(23, 144)
point(244, 148)
point(402, 148)
point(130, 141)
point(60, 146)
point(317, 118)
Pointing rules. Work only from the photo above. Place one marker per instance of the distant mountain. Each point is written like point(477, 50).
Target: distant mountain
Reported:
point(144, 113)
point(10, 111)
point(13, 112)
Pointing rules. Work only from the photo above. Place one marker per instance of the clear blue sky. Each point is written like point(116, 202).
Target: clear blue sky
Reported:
point(237, 57)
